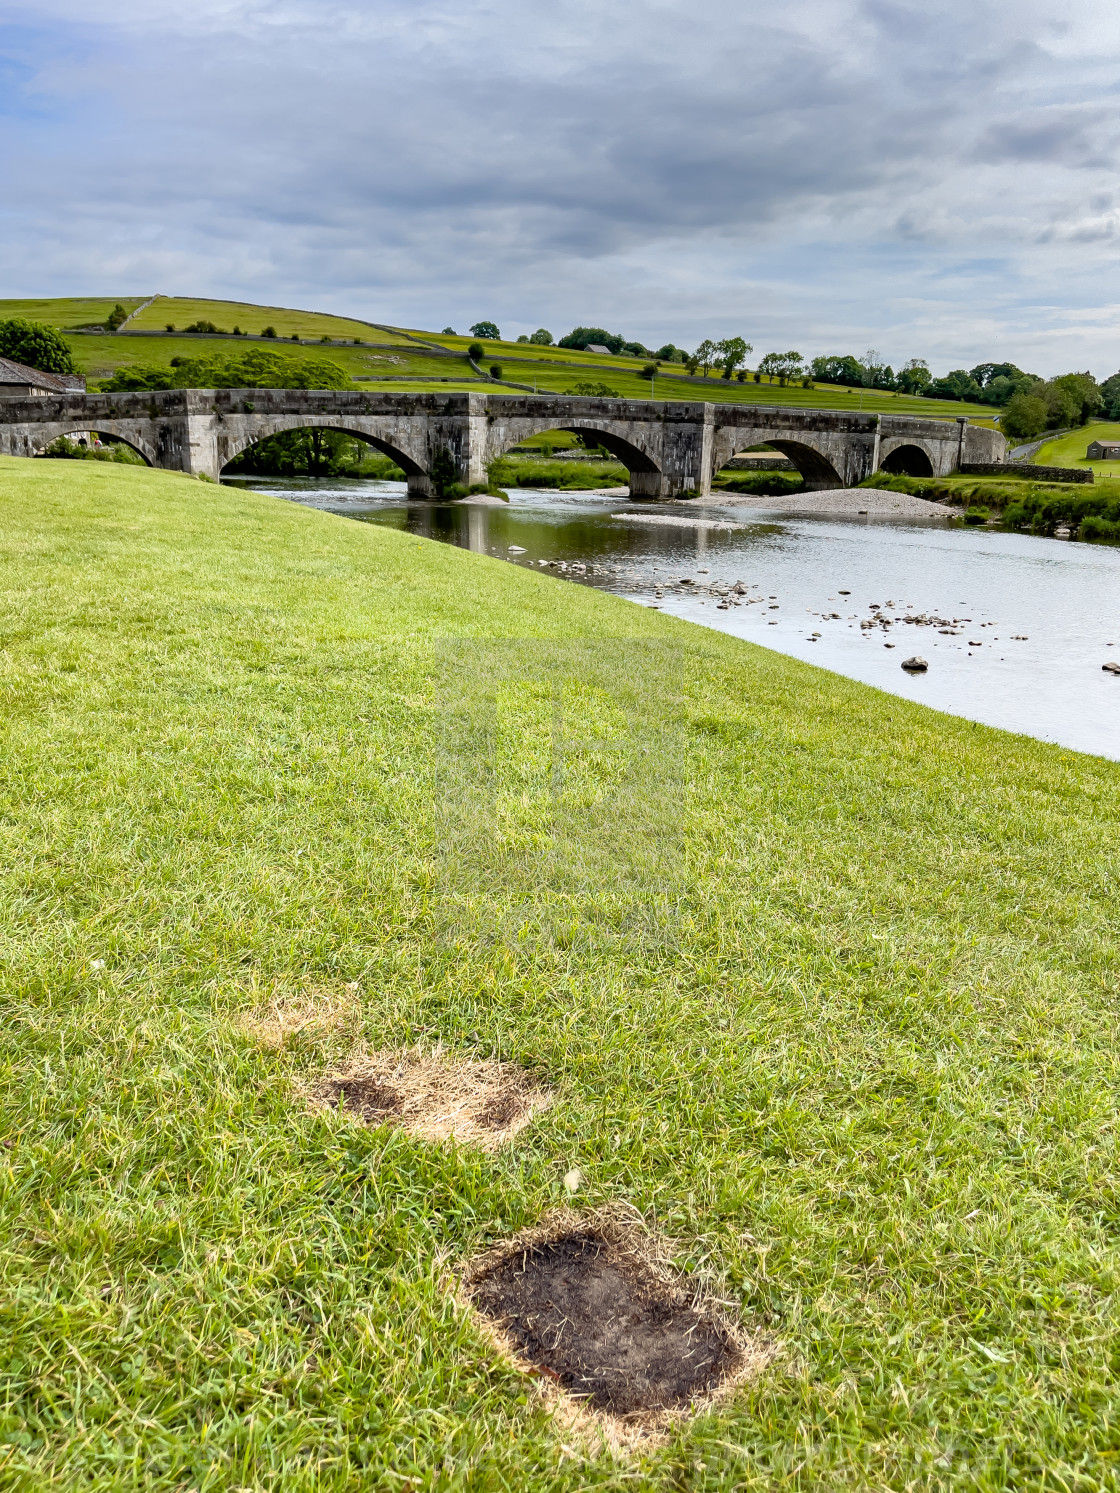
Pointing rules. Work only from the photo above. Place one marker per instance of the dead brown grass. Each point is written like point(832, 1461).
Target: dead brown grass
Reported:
point(436, 1096)
point(313, 1014)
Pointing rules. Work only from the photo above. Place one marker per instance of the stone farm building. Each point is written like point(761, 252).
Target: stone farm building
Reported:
point(16, 379)
point(1103, 451)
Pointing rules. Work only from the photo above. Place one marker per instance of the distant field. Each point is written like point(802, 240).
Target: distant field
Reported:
point(555, 370)
point(98, 357)
point(75, 311)
point(1069, 450)
point(181, 312)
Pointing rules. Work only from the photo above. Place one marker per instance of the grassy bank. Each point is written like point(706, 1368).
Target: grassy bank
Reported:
point(1018, 502)
point(528, 471)
point(825, 985)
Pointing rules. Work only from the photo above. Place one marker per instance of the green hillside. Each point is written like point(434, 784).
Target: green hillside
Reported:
point(822, 982)
point(1069, 450)
point(394, 357)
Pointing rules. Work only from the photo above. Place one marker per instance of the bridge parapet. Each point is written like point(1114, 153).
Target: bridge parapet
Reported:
point(671, 449)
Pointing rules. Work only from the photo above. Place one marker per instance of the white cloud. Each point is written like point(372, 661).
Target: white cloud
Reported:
point(829, 174)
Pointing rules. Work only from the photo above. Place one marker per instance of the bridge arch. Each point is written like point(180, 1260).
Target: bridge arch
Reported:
point(232, 445)
point(815, 465)
point(908, 458)
point(71, 430)
point(645, 472)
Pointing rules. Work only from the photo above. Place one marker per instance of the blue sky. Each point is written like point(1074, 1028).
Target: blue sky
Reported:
point(935, 180)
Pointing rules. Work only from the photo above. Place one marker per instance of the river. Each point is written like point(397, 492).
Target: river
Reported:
point(1015, 628)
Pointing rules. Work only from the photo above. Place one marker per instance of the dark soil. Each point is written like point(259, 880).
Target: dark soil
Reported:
point(365, 1096)
point(604, 1326)
point(503, 1109)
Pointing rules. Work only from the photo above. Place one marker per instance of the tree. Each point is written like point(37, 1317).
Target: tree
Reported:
point(706, 355)
point(259, 368)
point(782, 366)
point(1024, 418)
point(583, 337)
point(486, 330)
point(956, 385)
point(448, 332)
point(732, 351)
point(116, 317)
point(846, 370)
point(1110, 397)
point(1079, 396)
point(671, 354)
point(35, 345)
point(914, 376)
point(542, 337)
point(876, 373)
point(649, 371)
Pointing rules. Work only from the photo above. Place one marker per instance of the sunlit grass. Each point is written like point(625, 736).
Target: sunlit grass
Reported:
point(825, 984)
point(1069, 450)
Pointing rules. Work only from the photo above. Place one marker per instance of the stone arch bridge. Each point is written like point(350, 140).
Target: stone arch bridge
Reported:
point(671, 449)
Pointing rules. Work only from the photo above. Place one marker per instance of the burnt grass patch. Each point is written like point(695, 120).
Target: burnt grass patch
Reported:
point(589, 1312)
point(435, 1096)
point(372, 1100)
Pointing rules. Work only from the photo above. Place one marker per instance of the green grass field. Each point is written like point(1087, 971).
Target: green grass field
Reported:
point(69, 312)
point(1069, 450)
point(549, 369)
point(99, 356)
point(825, 985)
point(182, 311)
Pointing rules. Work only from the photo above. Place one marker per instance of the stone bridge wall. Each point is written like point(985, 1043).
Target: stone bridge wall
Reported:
point(671, 449)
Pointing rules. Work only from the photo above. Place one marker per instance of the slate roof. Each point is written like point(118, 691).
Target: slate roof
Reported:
point(13, 373)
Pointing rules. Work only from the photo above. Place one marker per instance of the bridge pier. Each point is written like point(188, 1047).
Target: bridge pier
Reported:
point(671, 450)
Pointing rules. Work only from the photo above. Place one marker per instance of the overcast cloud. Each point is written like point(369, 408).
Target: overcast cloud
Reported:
point(934, 180)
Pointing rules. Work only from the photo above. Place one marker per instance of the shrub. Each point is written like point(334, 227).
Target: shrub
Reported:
point(649, 370)
point(35, 345)
point(116, 317)
point(590, 389)
point(1093, 527)
point(202, 326)
point(67, 450)
point(495, 370)
point(269, 332)
point(476, 352)
point(170, 326)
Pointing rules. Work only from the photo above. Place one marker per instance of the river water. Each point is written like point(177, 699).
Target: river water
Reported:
point(1018, 629)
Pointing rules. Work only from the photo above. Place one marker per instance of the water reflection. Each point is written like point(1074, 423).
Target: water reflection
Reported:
point(1022, 625)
